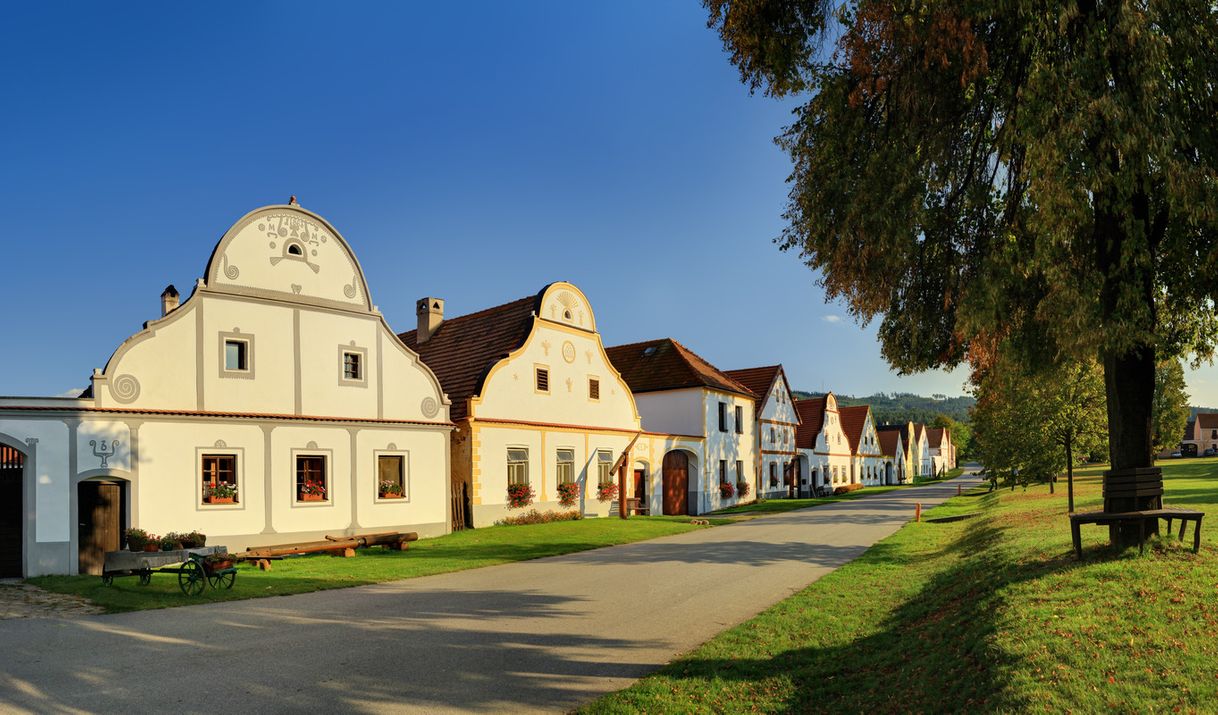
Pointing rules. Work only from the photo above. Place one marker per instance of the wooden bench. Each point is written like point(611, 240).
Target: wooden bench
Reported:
point(632, 506)
point(1077, 519)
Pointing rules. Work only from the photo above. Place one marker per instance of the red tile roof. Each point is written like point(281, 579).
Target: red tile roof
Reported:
point(919, 428)
point(463, 349)
point(934, 436)
point(902, 430)
point(853, 420)
point(811, 419)
point(757, 379)
point(665, 364)
point(888, 441)
point(1207, 420)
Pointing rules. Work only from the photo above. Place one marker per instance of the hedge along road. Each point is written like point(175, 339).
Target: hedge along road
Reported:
point(548, 634)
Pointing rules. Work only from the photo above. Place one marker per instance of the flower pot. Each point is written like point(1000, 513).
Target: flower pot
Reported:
point(135, 549)
point(152, 547)
point(312, 497)
point(214, 566)
point(391, 496)
point(221, 500)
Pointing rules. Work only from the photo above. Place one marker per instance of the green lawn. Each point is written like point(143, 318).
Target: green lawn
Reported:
point(776, 506)
point(455, 552)
point(987, 614)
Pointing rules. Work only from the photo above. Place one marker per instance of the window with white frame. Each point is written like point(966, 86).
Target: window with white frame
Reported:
point(353, 366)
point(391, 476)
point(773, 474)
point(604, 463)
point(541, 376)
point(219, 473)
point(739, 419)
point(517, 465)
point(566, 466)
point(311, 479)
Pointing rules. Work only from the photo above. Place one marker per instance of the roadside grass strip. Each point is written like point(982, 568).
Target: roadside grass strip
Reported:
point(472, 548)
point(981, 614)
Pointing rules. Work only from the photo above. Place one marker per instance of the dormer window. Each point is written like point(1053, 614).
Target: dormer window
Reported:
point(295, 250)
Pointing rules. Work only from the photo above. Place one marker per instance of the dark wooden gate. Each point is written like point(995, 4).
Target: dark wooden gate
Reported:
point(640, 487)
point(794, 478)
point(460, 507)
point(676, 483)
point(100, 508)
point(12, 473)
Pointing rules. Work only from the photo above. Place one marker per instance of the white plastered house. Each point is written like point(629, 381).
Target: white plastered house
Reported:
point(277, 377)
point(707, 417)
point(779, 471)
point(822, 443)
point(535, 401)
point(869, 465)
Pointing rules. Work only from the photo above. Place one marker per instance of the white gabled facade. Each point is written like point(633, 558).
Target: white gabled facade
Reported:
point(779, 472)
point(870, 464)
point(822, 443)
point(278, 372)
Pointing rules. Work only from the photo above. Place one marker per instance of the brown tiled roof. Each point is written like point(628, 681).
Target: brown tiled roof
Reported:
point(934, 436)
point(665, 364)
point(811, 418)
point(919, 428)
point(853, 419)
point(888, 441)
point(463, 349)
point(1207, 420)
point(897, 429)
point(757, 379)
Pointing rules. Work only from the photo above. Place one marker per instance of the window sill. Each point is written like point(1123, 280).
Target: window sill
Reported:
point(229, 506)
point(319, 502)
point(392, 500)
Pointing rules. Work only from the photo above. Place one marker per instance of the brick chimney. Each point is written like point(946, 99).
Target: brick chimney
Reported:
point(430, 312)
point(169, 300)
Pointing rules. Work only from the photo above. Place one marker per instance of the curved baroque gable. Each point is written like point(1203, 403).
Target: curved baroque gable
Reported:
point(288, 253)
point(566, 304)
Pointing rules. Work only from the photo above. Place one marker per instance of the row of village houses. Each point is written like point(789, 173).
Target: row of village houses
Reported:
point(276, 404)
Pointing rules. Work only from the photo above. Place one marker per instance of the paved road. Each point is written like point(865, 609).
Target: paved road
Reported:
point(548, 634)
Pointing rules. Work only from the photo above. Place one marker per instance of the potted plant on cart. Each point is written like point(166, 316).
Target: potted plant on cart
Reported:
point(217, 562)
point(389, 490)
point(193, 540)
point(171, 542)
point(221, 493)
point(312, 491)
point(137, 539)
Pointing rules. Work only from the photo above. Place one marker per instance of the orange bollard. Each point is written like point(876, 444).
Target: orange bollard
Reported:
point(918, 511)
point(957, 490)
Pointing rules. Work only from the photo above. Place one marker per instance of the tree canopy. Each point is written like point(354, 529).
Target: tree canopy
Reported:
point(1039, 176)
point(1171, 406)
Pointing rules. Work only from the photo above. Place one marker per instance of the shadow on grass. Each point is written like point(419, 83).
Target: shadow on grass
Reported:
point(933, 653)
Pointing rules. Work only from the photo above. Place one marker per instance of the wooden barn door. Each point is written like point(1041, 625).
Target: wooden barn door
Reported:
point(640, 487)
point(676, 483)
point(12, 472)
point(101, 519)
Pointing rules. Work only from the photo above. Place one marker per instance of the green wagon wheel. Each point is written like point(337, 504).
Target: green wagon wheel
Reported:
point(223, 579)
point(145, 578)
point(191, 579)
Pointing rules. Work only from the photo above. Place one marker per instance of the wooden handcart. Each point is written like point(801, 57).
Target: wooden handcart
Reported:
point(194, 571)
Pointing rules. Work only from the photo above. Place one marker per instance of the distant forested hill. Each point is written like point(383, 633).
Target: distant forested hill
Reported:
point(901, 407)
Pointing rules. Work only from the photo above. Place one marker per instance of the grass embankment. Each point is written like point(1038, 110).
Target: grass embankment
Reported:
point(991, 613)
point(777, 506)
point(455, 552)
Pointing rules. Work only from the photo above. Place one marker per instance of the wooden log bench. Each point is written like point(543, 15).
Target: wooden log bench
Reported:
point(1077, 519)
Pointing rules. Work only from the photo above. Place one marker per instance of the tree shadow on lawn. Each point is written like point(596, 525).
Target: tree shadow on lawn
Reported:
point(933, 653)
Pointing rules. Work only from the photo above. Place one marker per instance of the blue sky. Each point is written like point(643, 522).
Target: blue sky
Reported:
point(473, 154)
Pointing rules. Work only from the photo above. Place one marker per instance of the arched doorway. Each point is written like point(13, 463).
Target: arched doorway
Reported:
point(676, 483)
point(101, 512)
point(12, 497)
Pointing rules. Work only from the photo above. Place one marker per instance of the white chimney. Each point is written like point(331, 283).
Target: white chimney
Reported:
point(169, 300)
point(430, 312)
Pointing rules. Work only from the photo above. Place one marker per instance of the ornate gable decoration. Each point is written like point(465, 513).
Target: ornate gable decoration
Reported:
point(564, 303)
point(288, 253)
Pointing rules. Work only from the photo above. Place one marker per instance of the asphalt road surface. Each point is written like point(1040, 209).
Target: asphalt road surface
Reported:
point(543, 635)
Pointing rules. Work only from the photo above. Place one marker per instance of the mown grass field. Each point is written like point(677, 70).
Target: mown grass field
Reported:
point(987, 614)
point(468, 549)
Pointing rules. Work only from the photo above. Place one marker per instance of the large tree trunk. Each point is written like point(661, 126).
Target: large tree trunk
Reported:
point(1132, 483)
point(1070, 472)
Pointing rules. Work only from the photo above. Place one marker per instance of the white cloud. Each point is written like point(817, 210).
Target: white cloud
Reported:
point(832, 318)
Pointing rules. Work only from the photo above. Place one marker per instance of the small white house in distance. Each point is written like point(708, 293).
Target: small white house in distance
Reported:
point(942, 452)
point(679, 393)
point(823, 447)
point(536, 403)
point(779, 471)
point(921, 450)
point(868, 465)
point(274, 405)
point(892, 447)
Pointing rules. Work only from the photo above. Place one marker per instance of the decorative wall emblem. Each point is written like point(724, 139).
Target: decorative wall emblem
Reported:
point(102, 452)
point(569, 308)
point(430, 407)
point(391, 447)
point(569, 384)
point(588, 353)
point(311, 445)
point(230, 272)
point(349, 290)
point(545, 347)
point(568, 351)
point(296, 288)
point(299, 236)
point(220, 444)
point(125, 388)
